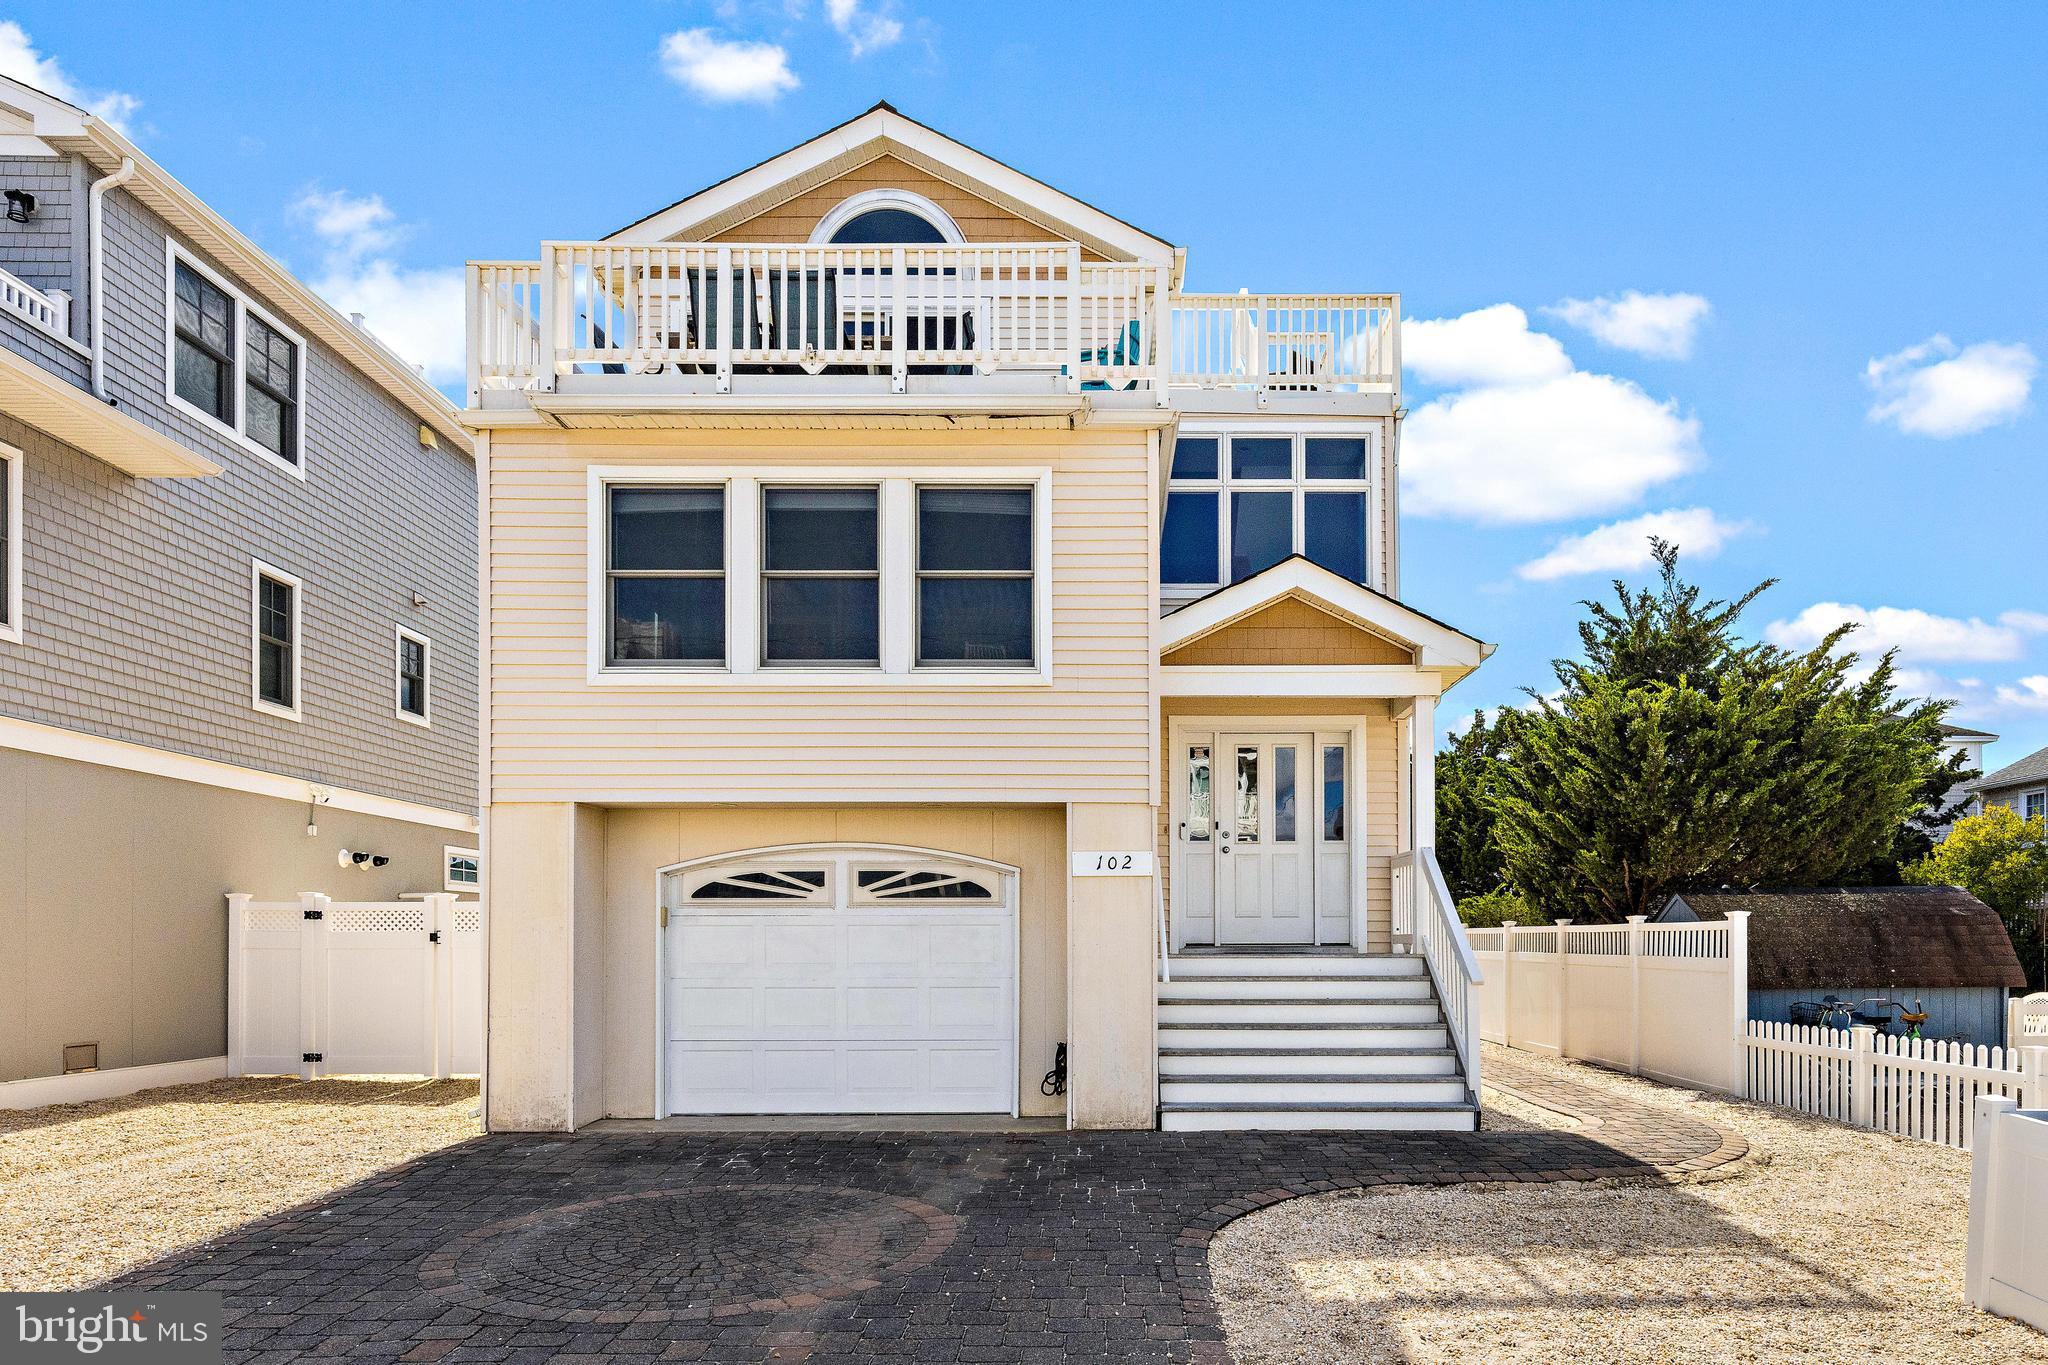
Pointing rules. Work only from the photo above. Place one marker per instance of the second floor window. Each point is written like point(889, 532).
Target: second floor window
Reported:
point(974, 581)
point(821, 577)
point(665, 576)
point(277, 642)
point(204, 366)
point(412, 677)
point(1238, 504)
point(271, 378)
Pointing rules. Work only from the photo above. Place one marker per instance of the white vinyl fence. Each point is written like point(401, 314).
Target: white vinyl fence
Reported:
point(2007, 1264)
point(318, 987)
point(1672, 1002)
point(1664, 1001)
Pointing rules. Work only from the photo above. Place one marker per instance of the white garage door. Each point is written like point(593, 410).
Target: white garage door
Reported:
point(841, 981)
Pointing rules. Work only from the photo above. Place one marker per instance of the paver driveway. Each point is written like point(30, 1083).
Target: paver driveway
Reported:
point(1042, 1247)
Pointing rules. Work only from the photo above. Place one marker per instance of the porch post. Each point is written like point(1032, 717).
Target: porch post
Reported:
point(1422, 795)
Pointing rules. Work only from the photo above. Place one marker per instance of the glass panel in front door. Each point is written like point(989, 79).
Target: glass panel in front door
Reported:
point(1248, 794)
point(1283, 793)
point(1198, 793)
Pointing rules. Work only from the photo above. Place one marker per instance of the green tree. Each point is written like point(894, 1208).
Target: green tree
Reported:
point(1467, 781)
point(1676, 755)
point(2001, 859)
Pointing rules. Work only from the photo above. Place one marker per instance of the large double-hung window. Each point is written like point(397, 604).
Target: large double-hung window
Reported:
point(1239, 503)
point(234, 366)
point(904, 573)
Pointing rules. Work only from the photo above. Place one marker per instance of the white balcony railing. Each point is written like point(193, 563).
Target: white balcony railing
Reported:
point(720, 310)
point(50, 311)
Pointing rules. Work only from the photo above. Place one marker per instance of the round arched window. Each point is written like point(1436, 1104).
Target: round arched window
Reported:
point(887, 225)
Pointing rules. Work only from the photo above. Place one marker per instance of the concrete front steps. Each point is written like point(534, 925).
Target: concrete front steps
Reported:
point(1273, 1040)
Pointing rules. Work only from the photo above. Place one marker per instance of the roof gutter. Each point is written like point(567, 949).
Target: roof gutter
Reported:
point(96, 269)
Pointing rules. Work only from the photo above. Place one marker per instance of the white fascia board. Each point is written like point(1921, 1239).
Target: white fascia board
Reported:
point(1436, 645)
point(893, 127)
point(219, 239)
point(1341, 680)
point(56, 742)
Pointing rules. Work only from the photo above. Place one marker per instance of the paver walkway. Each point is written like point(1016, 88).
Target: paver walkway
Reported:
point(934, 1248)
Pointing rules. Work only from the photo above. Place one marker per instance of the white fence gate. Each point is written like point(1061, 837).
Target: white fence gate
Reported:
point(318, 987)
point(2007, 1264)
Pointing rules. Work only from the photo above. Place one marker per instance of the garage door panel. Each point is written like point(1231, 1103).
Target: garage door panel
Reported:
point(828, 1008)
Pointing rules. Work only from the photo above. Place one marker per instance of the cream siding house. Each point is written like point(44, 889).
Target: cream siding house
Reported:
point(926, 648)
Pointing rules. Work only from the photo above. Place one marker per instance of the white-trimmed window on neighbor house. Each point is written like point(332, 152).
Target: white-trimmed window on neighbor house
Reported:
point(275, 641)
point(10, 543)
point(462, 869)
point(929, 574)
point(974, 578)
point(821, 577)
point(665, 577)
point(413, 665)
point(2034, 804)
point(1240, 502)
point(234, 366)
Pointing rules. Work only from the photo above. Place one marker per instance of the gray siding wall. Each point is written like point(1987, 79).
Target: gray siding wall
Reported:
point(113, 910)
point(136, 592)
point(1970, 1014)
point(48, 251)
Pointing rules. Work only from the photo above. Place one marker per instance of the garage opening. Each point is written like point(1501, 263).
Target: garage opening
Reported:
point(840, 979)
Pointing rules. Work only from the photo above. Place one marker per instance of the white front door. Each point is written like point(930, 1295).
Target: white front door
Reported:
point(1265, 839)
point(841, 981)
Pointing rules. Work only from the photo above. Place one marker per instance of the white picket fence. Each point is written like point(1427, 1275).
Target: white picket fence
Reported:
point(319, 987)
point(1671, 1002)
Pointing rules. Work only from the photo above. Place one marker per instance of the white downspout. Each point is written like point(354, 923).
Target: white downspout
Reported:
point(96, 273)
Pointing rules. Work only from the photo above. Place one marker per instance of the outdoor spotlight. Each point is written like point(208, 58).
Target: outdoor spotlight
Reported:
point(379, 860)
point(21, 206)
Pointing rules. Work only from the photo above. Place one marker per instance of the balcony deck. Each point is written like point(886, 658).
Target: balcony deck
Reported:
point(591, 319)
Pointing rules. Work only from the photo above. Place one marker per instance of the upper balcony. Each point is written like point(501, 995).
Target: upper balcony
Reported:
point(593, 323)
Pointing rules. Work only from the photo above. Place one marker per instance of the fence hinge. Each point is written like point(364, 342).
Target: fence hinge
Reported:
point(433, 935)
point(311, 1057)
point(313, 914)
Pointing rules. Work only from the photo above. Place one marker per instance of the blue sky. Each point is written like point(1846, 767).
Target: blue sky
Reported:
point(1780, 275)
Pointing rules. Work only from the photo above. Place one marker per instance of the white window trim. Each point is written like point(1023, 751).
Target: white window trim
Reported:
point(1297, 483)
point(258, 571)
point(846, 210)
point(449, 853)
point(897, 513)
point(11, 521)
point(398, 677)
point(238, 356)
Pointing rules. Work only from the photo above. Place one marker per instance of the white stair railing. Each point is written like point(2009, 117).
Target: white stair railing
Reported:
point(1427, 917)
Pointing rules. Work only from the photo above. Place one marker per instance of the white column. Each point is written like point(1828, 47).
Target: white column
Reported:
point(1422, 796)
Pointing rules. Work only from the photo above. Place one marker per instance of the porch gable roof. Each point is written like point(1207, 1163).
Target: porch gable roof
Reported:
point(1434, 644)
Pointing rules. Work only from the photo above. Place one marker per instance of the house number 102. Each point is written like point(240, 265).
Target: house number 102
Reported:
point(1131, 864)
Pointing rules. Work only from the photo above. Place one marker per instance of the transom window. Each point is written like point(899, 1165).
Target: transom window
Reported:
point(974, 582)
point(665, 576)
point(413, 698)
point(1237, 504)
point(821, 577)
point(462, 869)
point(275, 631)
point(234, 366)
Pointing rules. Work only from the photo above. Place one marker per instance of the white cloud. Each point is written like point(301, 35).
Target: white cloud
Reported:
point(1934, 389)
point(353, 225)
point(865, 29)
point(2028, 694)
point(726, 71)
point(1485, 346)
point(1624, 546)
point(1574, 446)
point(416, 312)
point(20, 59)
point(1919, 636)
point(1660, 325)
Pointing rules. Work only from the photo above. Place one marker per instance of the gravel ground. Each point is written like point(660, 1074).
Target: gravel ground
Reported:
point(1828, 1243)
point(89, 1190)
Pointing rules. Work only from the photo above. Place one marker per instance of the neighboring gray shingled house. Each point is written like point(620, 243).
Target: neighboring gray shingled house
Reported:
point(1932, 949)
point(2023, 786)
point(238, 603)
